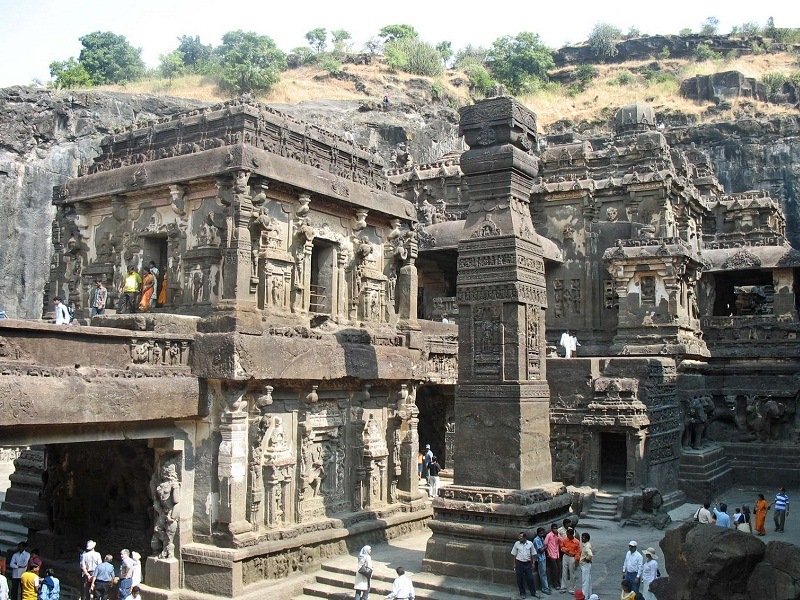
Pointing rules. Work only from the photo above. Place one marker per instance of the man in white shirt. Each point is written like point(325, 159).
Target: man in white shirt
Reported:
point(18, 565)
point(631, 565)
point(704, 515)
point(523, 553)
point(402, 588)
point(3, 587)
point(89, 562)
point(61, 312)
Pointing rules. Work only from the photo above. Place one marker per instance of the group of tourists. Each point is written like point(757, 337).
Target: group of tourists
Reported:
point(28, 580)
point(429, 469)
point(402, 587)
point(560, 559)
point(743, 519)
point(99, 577)
point(639, 570)
point(141, 293)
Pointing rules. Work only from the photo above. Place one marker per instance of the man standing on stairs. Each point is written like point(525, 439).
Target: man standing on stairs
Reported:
point(632, 564)
point(18, 565)
point(402, 588)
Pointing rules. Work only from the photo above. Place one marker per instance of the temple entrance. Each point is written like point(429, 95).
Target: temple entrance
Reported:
point(613, 460)
point(436, 410)
point(323, 265)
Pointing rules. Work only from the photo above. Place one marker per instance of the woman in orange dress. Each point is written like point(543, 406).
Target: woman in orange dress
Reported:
point(162, 292)
point(760, 509)
point(148, 287)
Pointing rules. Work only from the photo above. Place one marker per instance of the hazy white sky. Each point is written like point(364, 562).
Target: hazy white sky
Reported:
point(33, 33)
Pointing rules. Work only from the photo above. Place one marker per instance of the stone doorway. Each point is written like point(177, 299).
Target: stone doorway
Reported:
point(323, 266)
point(613, 460)
point(436, 409)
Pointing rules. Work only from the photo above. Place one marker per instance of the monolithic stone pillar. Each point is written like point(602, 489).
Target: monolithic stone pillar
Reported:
point(408, 415)
point(234, 192)
point(232, 461)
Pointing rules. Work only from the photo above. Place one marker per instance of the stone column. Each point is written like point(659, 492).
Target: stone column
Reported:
point(502, 456)
point(232, 461)
point(408, 414)
point(407, 286)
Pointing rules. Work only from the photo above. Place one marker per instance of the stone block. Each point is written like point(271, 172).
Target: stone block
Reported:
point(163, 573)
point(705, 472)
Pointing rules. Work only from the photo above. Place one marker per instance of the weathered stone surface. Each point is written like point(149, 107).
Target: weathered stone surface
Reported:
point(723, 86)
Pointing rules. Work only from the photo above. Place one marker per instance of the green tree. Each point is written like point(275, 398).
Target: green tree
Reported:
point(520, 62)
point(341, 40)
point(685, 32)
point(300, 56)
point(396, 32)
point(68, 74)
point(196, 55)
point(770, 30)
point(470, 54)
point(750, 29)
point(318, 39)
point(710, 26)
point(172, 65)
point(445, 49)
point(109, 58)
point(603, 40)
point(249, 62)
point(412, 55)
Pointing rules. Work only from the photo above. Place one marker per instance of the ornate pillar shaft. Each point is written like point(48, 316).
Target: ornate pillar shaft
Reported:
point(232, 463)
point(234, 192)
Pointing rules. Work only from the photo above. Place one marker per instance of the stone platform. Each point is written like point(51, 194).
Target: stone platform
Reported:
point(763, 463)
point(703, 473)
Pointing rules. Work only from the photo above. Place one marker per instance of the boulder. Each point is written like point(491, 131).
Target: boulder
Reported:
point(777, 577)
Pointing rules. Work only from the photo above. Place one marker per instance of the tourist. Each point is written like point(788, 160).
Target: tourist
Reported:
point(627, 592)
point(760, 509)
point(433, 477)
point(136, 594)
point(363, 574)
point(426, 461)
point(125, 573)
point(136, 576)
point(420, 463)
point(647, 573)
point(61, 312)
point(523, 552)
point(740, 522)
point(103, 579)
point(703, 514)
point(781, 505)
point(18, 565)
point(50, 587)
point(541, 560)
point(721, 516)
point(562, 531)
point(154, 272)
point(585, 562)
point(632, 564)
point(148, 289)
point(90, 560)
point(553, 548)
point(570, 553)
point(445, 319)
point(97, 301)
point(34, 557)
point(3, 586)
point(130, 291)
point(402, 588)
point(594, 597)
point(579, 594)
point(29, 582)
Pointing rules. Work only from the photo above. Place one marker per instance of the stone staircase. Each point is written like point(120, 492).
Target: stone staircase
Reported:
point(21, 497)
point(764, 464)
point(604, 507)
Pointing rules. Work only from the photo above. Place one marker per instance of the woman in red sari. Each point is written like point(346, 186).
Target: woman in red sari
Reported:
point(760, 510)
point(148, 287)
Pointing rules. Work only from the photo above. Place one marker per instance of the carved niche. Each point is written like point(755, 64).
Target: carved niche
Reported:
point(322, 463)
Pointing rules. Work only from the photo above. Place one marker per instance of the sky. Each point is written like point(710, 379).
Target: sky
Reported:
point(33, 33)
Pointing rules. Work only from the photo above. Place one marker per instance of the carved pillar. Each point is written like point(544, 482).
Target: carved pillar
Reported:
point(234, 193)
point(408, 415)
point(341, 286)
point(233, 461)
point(407, 285)
point(279, 464)
point(375, 463)
point(357, 427)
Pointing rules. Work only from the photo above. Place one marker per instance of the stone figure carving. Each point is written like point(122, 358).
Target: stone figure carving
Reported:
point(312, 465)
point(207, 236)
point(166, 496)
point(276, 289)
point(612, 214)
point(696, 414)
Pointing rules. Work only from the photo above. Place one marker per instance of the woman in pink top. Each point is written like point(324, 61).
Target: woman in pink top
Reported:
point(553, 551)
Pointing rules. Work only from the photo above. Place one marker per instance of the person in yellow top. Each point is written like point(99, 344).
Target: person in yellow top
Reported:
point(130, 291)
point(29, 584)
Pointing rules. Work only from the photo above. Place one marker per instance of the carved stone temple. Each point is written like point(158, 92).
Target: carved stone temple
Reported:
point(266, 413)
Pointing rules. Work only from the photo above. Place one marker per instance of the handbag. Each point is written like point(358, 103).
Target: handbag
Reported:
point(365, 571)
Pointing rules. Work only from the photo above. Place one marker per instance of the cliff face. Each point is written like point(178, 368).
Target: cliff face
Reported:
point(751, 154)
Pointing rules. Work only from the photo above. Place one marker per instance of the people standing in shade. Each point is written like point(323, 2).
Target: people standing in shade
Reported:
point(721, 516)
point(704, 515)
point(154, 271)
point(420, 464)
point(426, 461)
point(780, 509)
point(148, 289)
point(125, 573)
point(760, 509)
point(136, 576)
point(585, 562)
point(90, 560)
point(627, 592)
point(136, 594)
point(433, 477)
point(129, 294)
point(29, 582)
point(647, 573)
point(103, 579)
point(97, 301)
point(523, 553)
point(570, 553)
point(3, 587)
point(740, 521)
point(632, 564)
point(50, 587)
point(402, 588)
point(552, 545)
point(541, 560)
point(61, 312)
point(18, 565)
point(363, 574)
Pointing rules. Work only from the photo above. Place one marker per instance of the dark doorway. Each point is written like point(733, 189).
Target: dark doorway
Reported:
point(613, 460)
point(323, 264)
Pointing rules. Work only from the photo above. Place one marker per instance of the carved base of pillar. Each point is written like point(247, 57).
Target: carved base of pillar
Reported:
point(474, 528)
point(231, 316)
point(163, 573)
point(705, 472)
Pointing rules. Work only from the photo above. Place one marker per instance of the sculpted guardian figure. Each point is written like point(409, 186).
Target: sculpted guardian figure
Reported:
point(166, 495)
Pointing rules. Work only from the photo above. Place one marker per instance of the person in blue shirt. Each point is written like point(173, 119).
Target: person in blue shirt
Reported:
point(781, 507)
point(721, 516)
point(541, 559)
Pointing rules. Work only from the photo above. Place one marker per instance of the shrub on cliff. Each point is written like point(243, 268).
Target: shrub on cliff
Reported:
point(109, 58)
point(412, 55)
point(520, 62)
point(249, 62)
point(68, 74)
point(603, 40)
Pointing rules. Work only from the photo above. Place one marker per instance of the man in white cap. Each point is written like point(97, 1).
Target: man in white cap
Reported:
point(631, 565)
point(89, 562)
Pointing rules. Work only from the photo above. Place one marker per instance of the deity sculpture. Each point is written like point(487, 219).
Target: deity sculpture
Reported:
point(166, 495)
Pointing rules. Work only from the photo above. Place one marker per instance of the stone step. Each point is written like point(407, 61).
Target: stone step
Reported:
point(337, 586)
point(601, 512)
point(12, 531)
